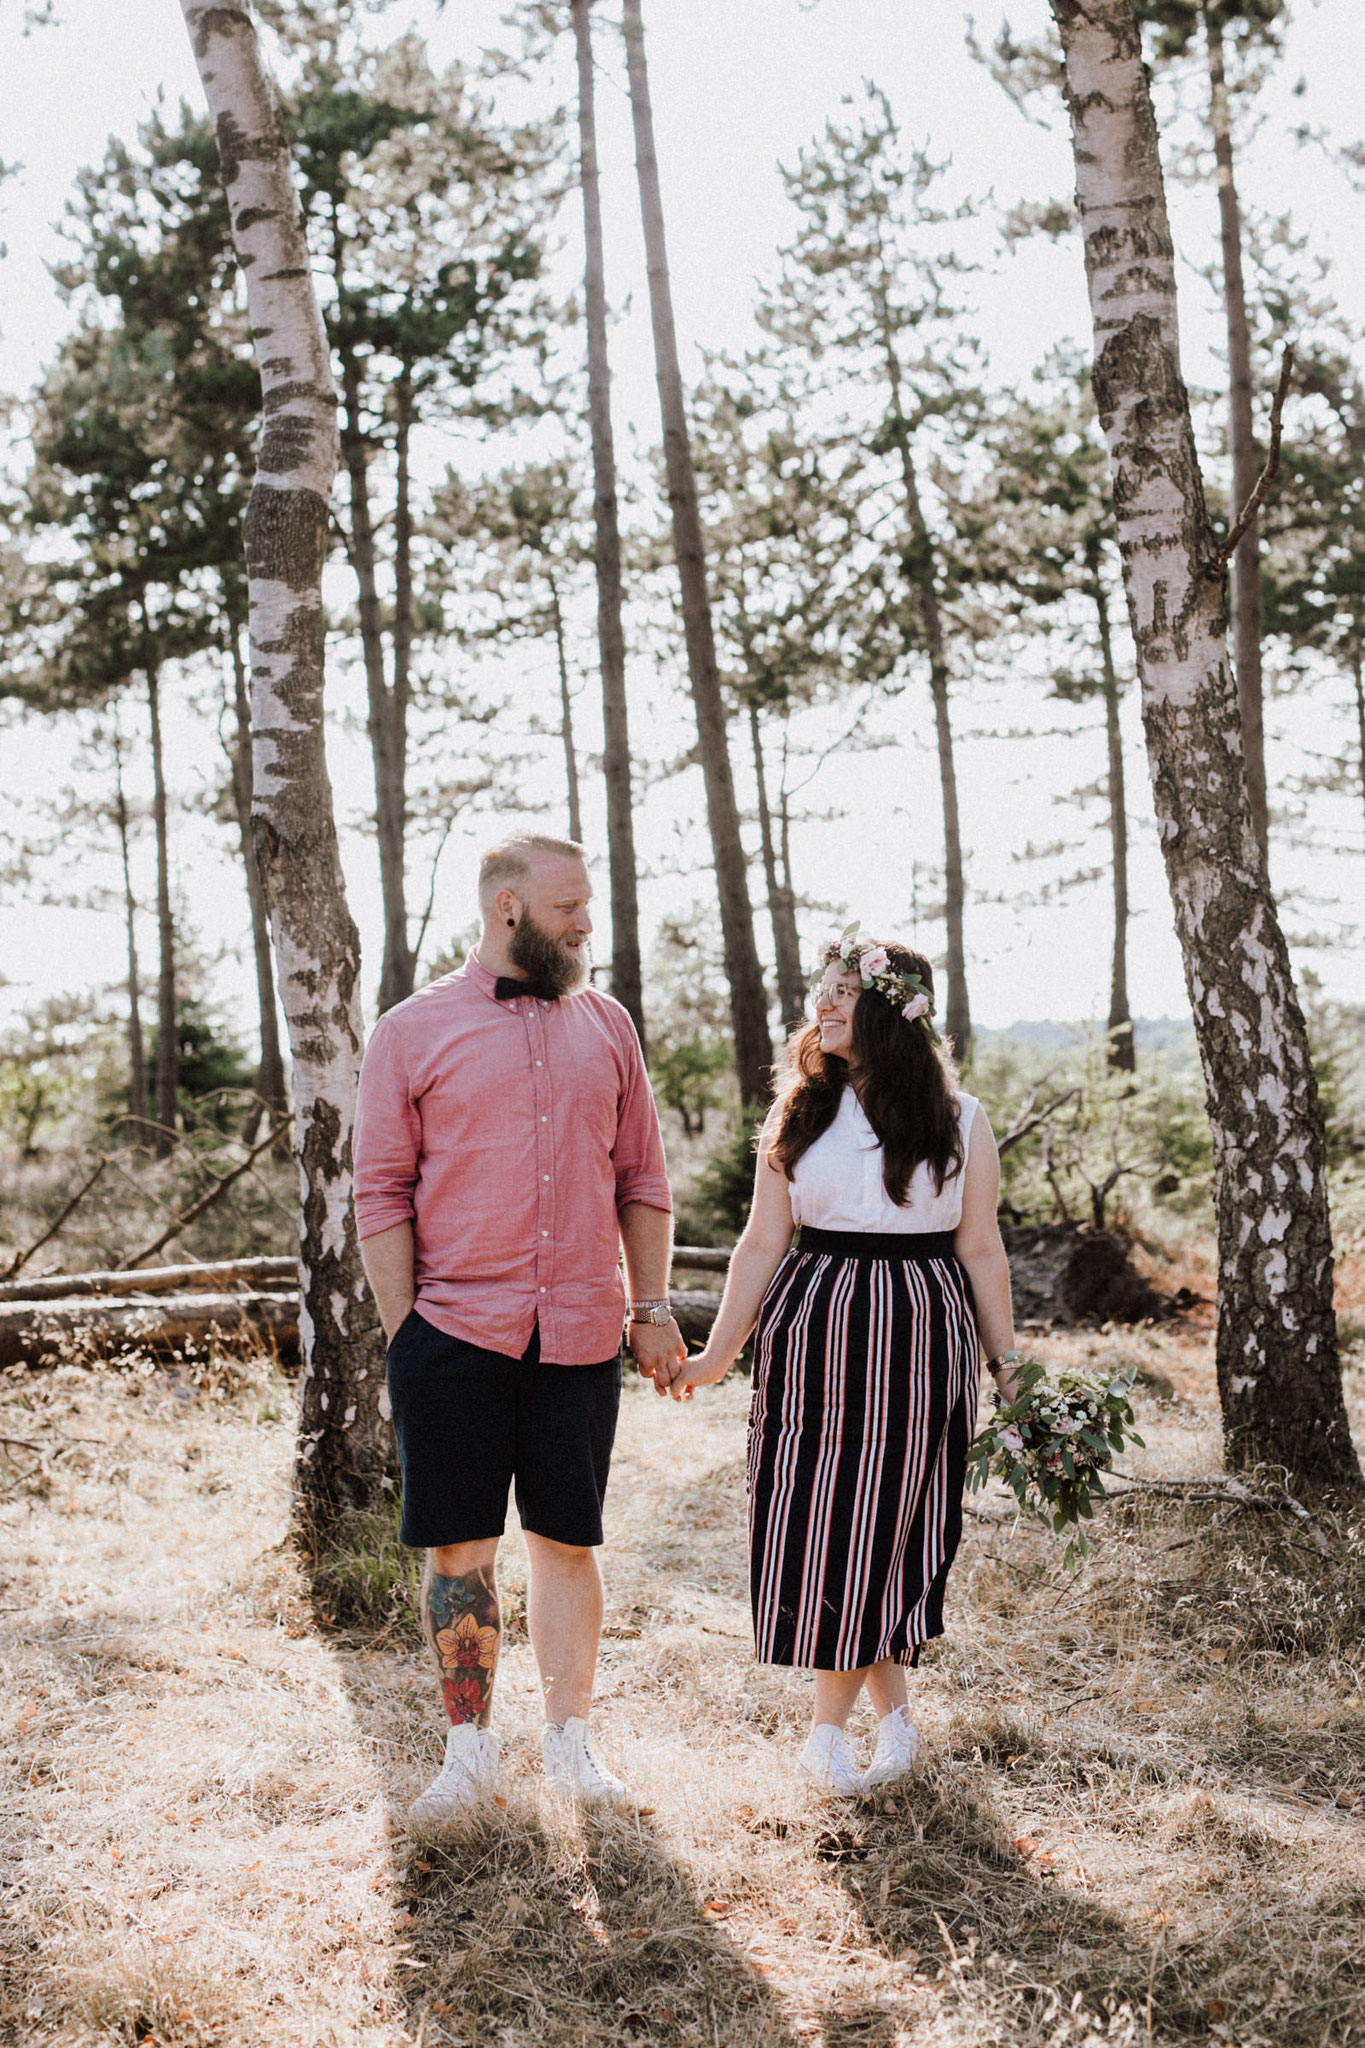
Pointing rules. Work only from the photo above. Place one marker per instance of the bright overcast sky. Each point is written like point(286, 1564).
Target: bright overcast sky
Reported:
point(736, 88)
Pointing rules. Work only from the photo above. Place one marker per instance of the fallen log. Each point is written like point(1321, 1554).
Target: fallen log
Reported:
point(254, 1272)
point(1064, 1274)
point(37, 1333)
point(695, 1312)
point(702, 1258)
point(220, 1274)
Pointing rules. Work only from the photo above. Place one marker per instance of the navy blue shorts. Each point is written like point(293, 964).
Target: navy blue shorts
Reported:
point(471, 1423)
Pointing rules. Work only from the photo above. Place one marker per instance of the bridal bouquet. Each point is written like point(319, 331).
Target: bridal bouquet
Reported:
point(1052, 1442)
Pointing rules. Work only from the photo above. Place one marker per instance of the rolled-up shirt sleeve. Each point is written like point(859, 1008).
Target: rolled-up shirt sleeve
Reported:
point(388, 1135)
point(638, 1154)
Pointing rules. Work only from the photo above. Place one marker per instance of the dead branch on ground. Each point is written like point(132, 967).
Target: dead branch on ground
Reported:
point(205, 1202)
point(1226, 1490)
point(22, 1258)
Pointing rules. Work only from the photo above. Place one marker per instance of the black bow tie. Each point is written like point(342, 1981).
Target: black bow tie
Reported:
point(506, 990)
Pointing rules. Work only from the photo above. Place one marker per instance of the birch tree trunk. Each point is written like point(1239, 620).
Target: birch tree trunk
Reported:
point(748, 999)
point(1247, 600)
point(1279, 1376)
point(626, 984)
point(1122, 1048)
point(270, 1097)
point(167, 1022)
point(343, 1440)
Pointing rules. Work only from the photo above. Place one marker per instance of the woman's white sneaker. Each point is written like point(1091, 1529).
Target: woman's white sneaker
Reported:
point(469, 1776)
point(575, 1770)
point(897, 1741)
point(826, 1762)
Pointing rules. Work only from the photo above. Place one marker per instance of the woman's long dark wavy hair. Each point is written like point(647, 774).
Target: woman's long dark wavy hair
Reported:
point(904, 1082)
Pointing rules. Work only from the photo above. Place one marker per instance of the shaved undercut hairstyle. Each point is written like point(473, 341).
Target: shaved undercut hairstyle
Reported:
point(506, 865)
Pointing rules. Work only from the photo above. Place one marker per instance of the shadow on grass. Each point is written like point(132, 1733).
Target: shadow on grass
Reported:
point(943, 1891)
point(586, 1931)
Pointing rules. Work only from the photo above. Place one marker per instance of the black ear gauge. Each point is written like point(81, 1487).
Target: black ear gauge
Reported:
point(511, 924)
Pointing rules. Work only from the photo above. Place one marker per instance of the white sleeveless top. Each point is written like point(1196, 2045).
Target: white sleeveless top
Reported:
point(838, 1185)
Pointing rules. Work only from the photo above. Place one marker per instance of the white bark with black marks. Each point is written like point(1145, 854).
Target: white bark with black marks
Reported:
point(1248, 607)
point(343, 1439)
point(1279, 1375)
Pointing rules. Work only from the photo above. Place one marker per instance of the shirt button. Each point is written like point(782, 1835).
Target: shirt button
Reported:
point(545, 1119)
point(542, 1290)
point(545, 1176)
point(540, 1063)
point(545, 1233)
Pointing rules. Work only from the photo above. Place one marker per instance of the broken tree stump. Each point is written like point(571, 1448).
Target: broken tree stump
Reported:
point(1067, 1274)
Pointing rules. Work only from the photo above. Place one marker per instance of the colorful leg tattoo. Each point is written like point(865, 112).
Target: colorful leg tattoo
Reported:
point(462, 1623)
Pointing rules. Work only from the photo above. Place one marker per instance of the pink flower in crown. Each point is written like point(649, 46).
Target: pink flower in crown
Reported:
point(874, 961)
point(918, 1006)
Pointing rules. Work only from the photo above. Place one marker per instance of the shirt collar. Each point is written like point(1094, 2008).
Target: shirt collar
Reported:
point(475, 971)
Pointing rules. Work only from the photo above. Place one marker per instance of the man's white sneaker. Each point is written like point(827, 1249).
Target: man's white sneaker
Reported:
point(826, 1762)
point(469, 1776)
point(575, 1770)
point(897, 1741)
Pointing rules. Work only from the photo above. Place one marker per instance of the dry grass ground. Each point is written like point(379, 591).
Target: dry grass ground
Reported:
point(1134, 1818)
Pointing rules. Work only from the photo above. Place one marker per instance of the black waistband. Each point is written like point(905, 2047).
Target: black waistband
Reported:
point(878, 1244)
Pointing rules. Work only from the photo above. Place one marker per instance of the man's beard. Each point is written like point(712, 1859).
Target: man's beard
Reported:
point(553, 965)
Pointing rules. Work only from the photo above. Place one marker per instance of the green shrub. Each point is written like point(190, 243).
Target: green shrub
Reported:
point(717, 1206)
point(366, 1579)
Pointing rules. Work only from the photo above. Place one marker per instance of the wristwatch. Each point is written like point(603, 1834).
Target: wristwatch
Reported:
point(657, 1312)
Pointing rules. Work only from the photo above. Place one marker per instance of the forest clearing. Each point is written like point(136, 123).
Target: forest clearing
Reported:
point(1139, 1812)
point(683, 714)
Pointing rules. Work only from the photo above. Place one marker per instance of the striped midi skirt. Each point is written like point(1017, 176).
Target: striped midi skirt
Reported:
point(866, 1368)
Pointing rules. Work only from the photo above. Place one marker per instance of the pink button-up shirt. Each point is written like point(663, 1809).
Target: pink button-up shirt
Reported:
point(509, 1133)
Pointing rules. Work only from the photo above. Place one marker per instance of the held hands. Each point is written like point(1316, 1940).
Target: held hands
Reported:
point(661, 1355)
point(704, 1368)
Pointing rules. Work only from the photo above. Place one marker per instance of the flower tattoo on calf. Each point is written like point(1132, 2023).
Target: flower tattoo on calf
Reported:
point(463, 1625)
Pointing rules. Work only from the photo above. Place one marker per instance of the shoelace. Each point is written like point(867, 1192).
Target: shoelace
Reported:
point(593, 1773)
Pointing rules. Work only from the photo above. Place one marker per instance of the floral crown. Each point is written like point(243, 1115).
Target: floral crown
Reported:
point(873, 964)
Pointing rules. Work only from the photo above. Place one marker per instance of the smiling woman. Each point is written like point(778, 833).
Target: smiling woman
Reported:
point(869, 1340)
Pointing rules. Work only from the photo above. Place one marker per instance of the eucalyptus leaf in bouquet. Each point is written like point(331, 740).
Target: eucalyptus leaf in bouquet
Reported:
point(1052, 1442)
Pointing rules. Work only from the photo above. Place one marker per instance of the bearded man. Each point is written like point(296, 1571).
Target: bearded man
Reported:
point(507, 1149)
